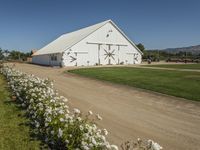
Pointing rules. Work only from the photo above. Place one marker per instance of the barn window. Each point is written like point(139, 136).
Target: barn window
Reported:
point(53, 58)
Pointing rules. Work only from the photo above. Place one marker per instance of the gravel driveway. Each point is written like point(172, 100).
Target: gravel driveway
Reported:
point(128, 112)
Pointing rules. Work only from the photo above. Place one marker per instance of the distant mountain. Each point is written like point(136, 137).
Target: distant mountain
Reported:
point(192, 49)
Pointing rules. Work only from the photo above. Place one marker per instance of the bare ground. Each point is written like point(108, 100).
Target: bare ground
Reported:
point(128, 112)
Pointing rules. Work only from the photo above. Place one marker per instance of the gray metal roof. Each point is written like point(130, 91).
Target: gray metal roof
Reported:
point(67, 40)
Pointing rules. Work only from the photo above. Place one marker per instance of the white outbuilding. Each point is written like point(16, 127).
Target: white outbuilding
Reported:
point(100, 44)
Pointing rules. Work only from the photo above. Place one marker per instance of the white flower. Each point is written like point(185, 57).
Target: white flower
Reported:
point(154, 145)
point(37, 124)
point(81, 127)
point(99, 117)
point(105, 132)
point(61, 120)
point(86, 147)
point(67, 141)
point(66, 106)
point(61, 111)
point(60, 132)
point(52, 132)
point(94, 141)
point(65, 100)
point(114, 147)
point(90, 112)
point(23, 105)
point(77, 111)
point(79, 118)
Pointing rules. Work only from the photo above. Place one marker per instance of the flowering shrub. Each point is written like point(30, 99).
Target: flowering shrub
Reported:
point(61, 127)
point(140, 145)
point(52, 119)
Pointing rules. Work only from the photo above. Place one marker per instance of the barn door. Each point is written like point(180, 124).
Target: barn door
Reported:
point(136, 58)
point(82, 59)
point(72, 58)
point(132, 58)
point(108, 55)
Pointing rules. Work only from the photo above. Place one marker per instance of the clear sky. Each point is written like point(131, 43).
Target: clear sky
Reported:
point(29, 24)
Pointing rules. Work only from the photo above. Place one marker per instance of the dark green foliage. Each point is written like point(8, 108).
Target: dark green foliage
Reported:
point(14, 55)
point(157, 55)
point(17, 55)
point(1, 54)
point(141, 47)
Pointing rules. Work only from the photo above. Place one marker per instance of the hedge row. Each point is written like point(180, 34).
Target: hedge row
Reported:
point(60, 126)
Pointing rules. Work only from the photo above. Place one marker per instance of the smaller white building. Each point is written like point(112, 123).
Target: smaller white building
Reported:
point(100, 44)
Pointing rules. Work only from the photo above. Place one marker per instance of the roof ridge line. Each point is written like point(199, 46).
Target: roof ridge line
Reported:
point(88, 34)
point(106, 21)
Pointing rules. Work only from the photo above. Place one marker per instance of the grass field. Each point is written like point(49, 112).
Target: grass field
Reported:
point(177, 66)
point(14, 134)
point(177, 83)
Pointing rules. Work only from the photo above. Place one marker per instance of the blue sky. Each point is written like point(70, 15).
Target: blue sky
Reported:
point(30, 24)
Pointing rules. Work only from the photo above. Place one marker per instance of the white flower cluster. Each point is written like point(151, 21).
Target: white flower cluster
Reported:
point(140, 145)
point(51, 117)
point(153, 145)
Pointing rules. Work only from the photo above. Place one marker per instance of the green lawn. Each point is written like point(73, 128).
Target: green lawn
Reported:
point(177, 83)
point(177, 66)
point(14, 134)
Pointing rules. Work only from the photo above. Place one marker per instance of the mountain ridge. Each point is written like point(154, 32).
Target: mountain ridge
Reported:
point(193, 49)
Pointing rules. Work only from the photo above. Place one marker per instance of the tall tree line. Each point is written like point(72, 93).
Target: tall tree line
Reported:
point(14, 55)
point(157, 55)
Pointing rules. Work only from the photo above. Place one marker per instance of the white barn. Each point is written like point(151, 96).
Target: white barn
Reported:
point(100, 44)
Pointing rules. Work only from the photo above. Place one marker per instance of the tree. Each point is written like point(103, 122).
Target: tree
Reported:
point(6, 54)
point(18, 55)
point(1, 54)
point(15, 55)
point(141, 47)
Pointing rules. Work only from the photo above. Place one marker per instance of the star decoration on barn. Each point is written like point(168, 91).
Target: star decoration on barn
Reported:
point(72, 56)
point(72, 59)
point(136, 58)
point(109, 54)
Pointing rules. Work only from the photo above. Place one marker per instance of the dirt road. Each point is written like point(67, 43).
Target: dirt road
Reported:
point(128, 112)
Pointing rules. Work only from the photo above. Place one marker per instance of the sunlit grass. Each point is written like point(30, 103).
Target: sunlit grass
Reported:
point(177, 66)
point(185, 84)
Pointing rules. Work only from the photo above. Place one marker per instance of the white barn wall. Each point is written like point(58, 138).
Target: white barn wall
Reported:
point(46, 59)
point(41, 59)
point(87, 54)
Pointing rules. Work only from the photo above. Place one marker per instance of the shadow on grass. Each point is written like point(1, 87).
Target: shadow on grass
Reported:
point(21, 113)
point(33, 135)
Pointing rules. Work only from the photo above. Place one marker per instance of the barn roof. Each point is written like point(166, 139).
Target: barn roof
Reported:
point(67, 40)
